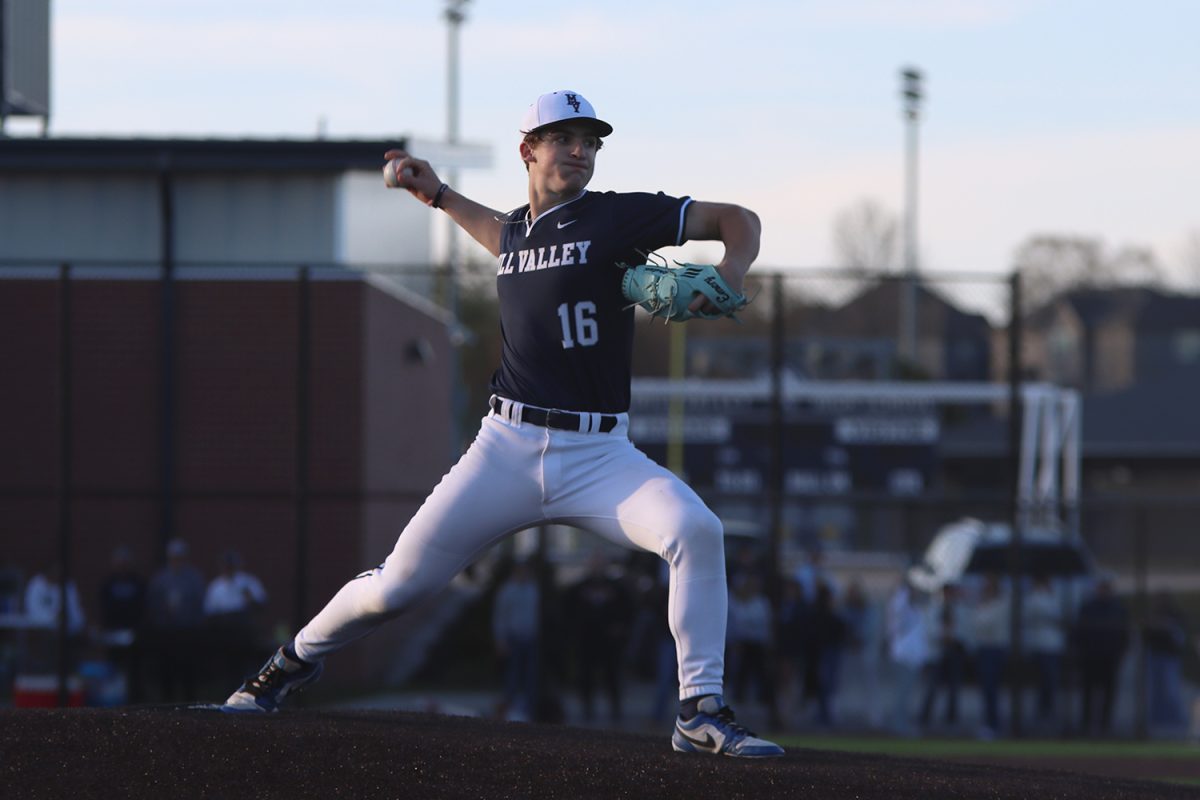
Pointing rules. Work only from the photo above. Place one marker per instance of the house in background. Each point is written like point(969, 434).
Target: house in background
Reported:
point(859, 338)
point(855, 339)
point(1103, 340)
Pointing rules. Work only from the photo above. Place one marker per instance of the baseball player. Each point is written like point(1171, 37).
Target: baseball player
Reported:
point(553, 447)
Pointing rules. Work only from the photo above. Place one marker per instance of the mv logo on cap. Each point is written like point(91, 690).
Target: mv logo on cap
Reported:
point(562, 106)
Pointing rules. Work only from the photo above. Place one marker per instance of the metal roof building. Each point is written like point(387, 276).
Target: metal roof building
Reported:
point(183, 202)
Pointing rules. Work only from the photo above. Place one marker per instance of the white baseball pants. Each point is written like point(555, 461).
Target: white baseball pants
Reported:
point(515, 476)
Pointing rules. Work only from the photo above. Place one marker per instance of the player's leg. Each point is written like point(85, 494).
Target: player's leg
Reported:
point(493, 490)
point(652, 510)
point(616, 491)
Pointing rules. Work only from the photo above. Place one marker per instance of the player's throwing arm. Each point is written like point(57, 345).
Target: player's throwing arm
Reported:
point(402, 171)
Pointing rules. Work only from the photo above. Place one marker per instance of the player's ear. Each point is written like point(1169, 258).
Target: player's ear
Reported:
point(527, 153)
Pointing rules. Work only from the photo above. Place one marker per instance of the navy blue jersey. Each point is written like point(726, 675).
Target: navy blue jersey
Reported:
point(567, 336)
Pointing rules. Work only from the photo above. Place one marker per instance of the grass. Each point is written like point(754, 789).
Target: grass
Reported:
point(1126, 756)
point(1016, 748)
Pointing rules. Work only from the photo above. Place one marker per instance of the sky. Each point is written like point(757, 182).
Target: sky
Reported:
point(1057, 117)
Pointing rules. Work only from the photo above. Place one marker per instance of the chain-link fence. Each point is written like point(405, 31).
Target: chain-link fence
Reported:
point(851, 415)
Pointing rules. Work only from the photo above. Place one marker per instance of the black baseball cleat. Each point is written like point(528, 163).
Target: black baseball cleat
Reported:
point(714, 731)
point(282, 675)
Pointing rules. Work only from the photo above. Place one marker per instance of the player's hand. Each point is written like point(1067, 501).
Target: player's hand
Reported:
point(402, 171)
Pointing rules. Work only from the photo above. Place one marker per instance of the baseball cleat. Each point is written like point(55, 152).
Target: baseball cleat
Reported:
point(713, 730)
point(282, 675)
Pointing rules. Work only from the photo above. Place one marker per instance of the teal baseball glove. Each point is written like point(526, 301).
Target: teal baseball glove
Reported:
point(667, 291)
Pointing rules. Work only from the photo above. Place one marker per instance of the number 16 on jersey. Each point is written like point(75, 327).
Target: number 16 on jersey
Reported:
point(578, 322)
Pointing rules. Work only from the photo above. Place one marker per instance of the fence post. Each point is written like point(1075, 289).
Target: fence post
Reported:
point(167, 410)
point(778, 341)
point(676, 405)
point(65, 457)
point(303, 413)
point(1141, 567)
point(1015, 423)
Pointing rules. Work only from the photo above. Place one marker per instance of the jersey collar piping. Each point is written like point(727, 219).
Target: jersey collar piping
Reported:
point(530, 223)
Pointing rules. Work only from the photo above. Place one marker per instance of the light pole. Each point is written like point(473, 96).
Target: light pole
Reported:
point(447, 294)
point(455, 15)
point(912, 95)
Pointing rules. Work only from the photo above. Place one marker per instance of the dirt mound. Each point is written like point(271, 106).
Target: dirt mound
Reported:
point(178, 752)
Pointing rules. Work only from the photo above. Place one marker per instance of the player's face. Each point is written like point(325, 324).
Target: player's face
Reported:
point(564, 158)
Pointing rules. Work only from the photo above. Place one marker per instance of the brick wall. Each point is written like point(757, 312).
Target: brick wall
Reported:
point(235, 426)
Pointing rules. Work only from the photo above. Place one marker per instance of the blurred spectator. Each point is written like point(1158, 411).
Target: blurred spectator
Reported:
point(828, 636)
point(748, 641)
point(122, 609)
point(515, 626)
point(122, 595)
point(791, 637)
point(1165, 637)
point(948, 632)
point(43, 608)
point(655, 599)
point(233, 591)
point(43, 601)
point(990, 632)
point(748, 558)
point(908, 651)
point(231, 605)
point(10, 588)
point(1101, 637)
point(860, 653)
point(174, 615)
point(1194, 717)
point(812, 573)
point(1045, 641)
point(641, 578)
point(600, 615)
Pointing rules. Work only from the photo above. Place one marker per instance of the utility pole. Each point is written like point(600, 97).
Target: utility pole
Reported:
point(911, 93)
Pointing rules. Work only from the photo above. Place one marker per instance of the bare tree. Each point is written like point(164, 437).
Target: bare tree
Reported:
point(1133, 265)
point(866, 237)
point(1052, 263)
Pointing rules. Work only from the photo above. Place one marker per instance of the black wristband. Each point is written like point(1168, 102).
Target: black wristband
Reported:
point(437, 198)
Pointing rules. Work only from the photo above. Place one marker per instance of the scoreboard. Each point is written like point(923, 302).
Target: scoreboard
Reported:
point(827, 450)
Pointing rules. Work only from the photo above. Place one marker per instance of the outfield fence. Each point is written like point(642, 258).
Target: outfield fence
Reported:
point(851, 412)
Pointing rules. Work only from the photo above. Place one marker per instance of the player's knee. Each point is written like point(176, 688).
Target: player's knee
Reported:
point(708, 530)
point(376, 600)
point(393, 593)
point(698, 530)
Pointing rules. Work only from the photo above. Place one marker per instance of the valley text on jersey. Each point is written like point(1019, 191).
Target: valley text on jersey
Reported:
point(544, 258)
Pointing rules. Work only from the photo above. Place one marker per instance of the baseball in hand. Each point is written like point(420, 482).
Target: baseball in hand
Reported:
point(389, 173)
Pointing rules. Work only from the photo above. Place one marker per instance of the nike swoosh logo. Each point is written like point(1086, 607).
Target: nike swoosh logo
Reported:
point(708, 743)
point(562, 225)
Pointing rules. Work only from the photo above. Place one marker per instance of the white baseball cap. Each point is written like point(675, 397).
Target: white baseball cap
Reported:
point(562, 106)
